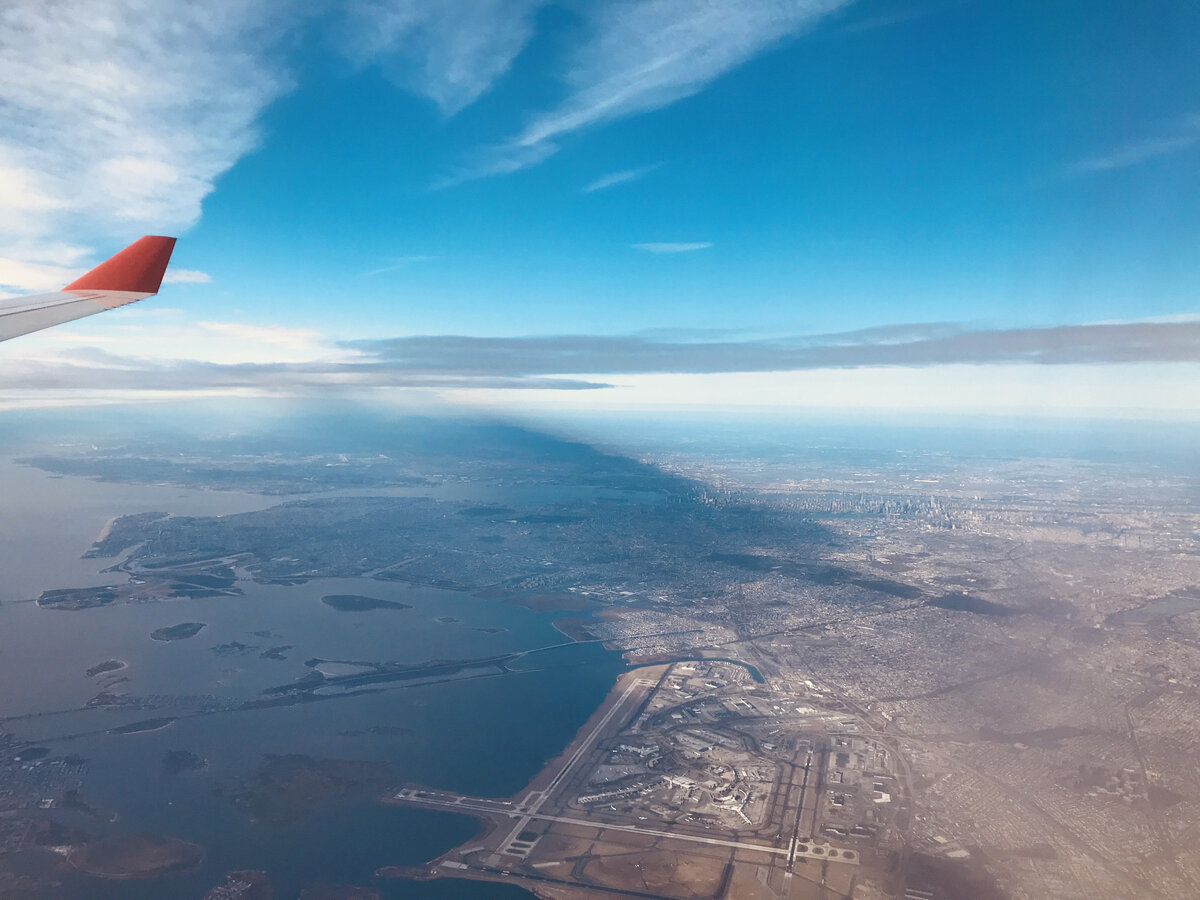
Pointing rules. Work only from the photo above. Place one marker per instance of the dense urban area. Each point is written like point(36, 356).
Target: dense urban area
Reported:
point(891, 676)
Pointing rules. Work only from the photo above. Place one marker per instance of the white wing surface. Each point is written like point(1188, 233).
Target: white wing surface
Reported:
point(133, 274)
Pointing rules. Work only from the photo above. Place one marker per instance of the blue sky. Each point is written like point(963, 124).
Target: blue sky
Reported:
point(745, 178)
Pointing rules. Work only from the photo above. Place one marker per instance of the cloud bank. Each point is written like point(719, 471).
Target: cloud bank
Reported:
point(299, 360)
point(903, 346)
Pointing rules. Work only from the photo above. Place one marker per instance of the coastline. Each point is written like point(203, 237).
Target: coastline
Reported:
point(496, 814)
point(105, 530)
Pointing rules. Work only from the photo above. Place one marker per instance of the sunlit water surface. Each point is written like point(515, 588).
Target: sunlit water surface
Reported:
point(485, 735)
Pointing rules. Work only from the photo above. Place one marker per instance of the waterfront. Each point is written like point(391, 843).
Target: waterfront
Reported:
point(484, 732)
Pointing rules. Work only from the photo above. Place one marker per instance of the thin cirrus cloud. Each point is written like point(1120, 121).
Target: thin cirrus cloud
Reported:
point(96, 143)
point(397, 263)
point(192, 80)
point(160, 121)
point(662, 247)
point(451, 51)
point(642, 55)
point(622, 177)
point(186, 276)
point(887, 20)
point(1133, 154)
point(1181, 135)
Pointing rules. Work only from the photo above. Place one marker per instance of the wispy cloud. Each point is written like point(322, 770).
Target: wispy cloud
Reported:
point(397, 263)
point(672, 246)
point(642, 55)
point(1183, 134)
point(1134, 153)
point(623, 177)
point(118, 115)
point(186, 276)
point(451, 51)
point(888, 19)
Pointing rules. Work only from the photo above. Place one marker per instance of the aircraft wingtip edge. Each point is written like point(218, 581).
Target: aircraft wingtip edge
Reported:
point(138, 269)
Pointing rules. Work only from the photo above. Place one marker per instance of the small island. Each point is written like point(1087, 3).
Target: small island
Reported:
point(234, 648)
point(246, 884)
point(358, 603)
point(109, 665)
point(180, 632)
point(142, 726)
point(79, 598)
point(122, 856)
point(176, 762)
point(31, 753)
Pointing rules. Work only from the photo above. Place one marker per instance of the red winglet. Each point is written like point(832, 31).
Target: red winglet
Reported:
point(138, 268)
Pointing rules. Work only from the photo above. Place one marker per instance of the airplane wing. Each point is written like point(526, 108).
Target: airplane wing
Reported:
point(133, 274)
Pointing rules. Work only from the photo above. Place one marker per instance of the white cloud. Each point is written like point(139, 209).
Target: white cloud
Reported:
point(298, 340)
point(887, 20)
point(642, 55)
point(54, 253)
point(148, 335)
point(118, 115)
point(451, 51)
point(399, 262)
point(1171, 391)
point(39, 267)
point(672, 246)
point(1065, 370)
point(1174, 137)
point(623, 177)
point(29, 277)
point(186, 276)
point(1134, 153)
point(25, 191)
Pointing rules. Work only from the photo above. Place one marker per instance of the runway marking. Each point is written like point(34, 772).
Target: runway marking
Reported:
point(531, 808)
point(525, 818)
